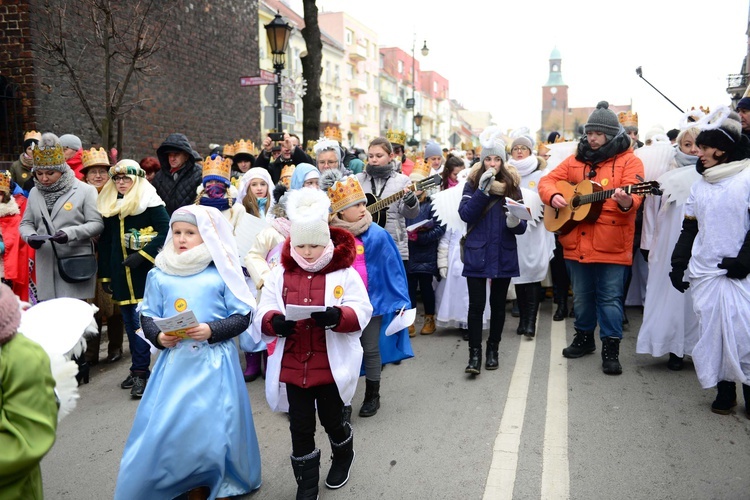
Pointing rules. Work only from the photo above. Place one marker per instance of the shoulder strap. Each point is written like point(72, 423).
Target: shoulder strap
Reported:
point(486, 209)
point(49, 230)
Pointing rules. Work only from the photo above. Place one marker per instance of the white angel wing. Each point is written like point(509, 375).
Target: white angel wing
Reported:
point(533, 202)
point(445, 207)
point(656, 159)
point(676, 184)
point(66, 386)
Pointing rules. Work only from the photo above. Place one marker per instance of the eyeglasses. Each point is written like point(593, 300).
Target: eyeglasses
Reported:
point(332, 163)
point(121, 178)
point(519, 148)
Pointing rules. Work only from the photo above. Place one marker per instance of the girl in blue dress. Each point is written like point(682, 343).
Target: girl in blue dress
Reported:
point(194, 430)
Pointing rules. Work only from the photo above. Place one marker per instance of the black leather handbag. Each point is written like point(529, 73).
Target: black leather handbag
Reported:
point(77, 268)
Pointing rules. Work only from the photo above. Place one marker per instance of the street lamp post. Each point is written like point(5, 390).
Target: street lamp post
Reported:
point(278, 32)
point(414, 124)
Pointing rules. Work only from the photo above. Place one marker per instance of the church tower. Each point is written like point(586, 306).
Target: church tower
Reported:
point(554, 97)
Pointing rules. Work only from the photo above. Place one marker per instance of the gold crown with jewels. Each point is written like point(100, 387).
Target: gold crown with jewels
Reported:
point(245, 147)
point(217, 166)
point(396, 137)
point(345, 193)
point(5, 181)
point(420, 171)
point(227, 151)
point(50, 156)
point(332, 133)
point(628, 118)
point(286, 175)
point(95, 157)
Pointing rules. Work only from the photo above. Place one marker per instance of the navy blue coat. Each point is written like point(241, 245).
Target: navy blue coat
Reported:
point(423, 250)
point(490, 250)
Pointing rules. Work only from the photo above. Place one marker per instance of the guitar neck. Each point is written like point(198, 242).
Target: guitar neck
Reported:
point(385, 202)
point(601, 195)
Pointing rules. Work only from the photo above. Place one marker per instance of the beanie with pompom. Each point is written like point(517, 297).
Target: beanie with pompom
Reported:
point(603, 120)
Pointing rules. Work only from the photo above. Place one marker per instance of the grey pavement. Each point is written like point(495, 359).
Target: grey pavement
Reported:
point(648, 433)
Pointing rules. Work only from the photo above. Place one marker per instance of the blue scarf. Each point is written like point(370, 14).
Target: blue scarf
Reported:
point(219, 203)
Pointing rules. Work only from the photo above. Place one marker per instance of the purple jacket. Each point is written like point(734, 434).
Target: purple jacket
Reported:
point(490, 250)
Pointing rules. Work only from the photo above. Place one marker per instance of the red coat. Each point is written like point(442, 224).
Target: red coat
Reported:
point(76, 163)
point(17, 252)
point(305, 361)
point(608, 240)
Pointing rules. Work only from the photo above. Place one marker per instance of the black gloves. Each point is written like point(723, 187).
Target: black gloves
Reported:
point(677, 282)
point(681, 254)
point(327, 319)
point(107, 287)
point(644, 252)
point(410, 199)
point(134, 260)
point(282, 327)
point(35, 241)
point(735, 268)
point(60, 237)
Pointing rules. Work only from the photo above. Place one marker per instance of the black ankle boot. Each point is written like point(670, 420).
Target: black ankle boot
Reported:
point(520, 305)
point(514, 309)
point(84, 369)
point(475, 361)
point(562, 308)
point(583, 343)
point(726, 397)
point(492, 363)
point(342, 455)
point(611, 356)
point(307, 474)
point(371, 404)
point(675, 362)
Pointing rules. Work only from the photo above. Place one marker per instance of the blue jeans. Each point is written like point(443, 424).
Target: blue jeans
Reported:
point(598, 291)
point(139, 348)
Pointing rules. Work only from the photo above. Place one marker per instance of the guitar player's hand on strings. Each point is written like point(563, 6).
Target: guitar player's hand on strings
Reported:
point(623, 199)
point(558, 201)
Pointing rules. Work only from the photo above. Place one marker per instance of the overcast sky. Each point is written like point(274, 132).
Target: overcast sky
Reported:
point(495, 54)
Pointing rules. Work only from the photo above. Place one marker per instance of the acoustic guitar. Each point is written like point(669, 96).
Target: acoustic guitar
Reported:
point(585, 201)
point(379, 208)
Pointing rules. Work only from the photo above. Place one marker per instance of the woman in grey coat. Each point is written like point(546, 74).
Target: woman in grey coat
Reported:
point(69, 208)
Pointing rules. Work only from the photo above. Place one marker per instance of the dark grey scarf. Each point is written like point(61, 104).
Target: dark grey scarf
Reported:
point(53, 192)
point(585, 154)
point(377, 172)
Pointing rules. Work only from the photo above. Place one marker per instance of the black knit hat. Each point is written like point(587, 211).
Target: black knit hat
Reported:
point(603, 120)
point(721, 129)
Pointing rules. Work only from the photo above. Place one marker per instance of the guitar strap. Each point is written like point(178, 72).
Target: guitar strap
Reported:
point(373, 189)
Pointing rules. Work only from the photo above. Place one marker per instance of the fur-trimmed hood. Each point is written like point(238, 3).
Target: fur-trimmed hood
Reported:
point(343, 253)
point(10, 208)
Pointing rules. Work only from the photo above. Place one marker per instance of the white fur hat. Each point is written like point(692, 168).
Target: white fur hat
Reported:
point(307, 210)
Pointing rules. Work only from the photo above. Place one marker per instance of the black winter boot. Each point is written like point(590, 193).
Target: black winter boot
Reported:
point(342, 455)
point(307, 474)
point(533, 291)
point(583, 343)
point(371, 404)
point(492, 363)
point(746, 394)
point(561, 299)
point(475, 361)
point(675, 362)
point(726, 397)
point(523, 313)
point(611, 356)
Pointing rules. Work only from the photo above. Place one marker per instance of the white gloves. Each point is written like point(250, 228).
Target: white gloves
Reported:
point(511, 221)
point(485, 182)
point(444, 272)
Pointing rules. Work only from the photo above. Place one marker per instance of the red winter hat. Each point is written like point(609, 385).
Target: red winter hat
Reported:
point(10, 314)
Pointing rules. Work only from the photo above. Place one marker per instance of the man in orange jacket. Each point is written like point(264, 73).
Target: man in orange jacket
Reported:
point(598, 254)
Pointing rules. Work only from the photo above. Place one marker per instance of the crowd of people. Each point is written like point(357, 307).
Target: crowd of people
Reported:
point(306, 268)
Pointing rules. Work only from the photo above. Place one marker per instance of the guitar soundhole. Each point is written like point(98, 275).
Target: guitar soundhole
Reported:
point(574, 203)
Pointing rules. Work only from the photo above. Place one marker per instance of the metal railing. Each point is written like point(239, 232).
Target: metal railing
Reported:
point(737, 80)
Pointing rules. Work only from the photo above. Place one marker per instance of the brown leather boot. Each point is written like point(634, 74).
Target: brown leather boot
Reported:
point(412, 331)
point(429, 325)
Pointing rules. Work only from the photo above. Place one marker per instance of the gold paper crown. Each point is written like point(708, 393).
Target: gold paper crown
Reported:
point(245, 147)
point(310, 149)
point(5, 181)
point(628, 118)
point(332, 133)
point(94, 157)
point(286, 175)
point(542, 149)
point(396, 137)
point(51, 156)
point(32, 134)
point(227, 151)
point(345, 192)
point(466, 145)
point(217, 166)
point(420, 171)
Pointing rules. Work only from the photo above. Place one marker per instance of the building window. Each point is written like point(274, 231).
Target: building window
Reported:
point(381, 63)
point(328, 110)
point(328, 72)
point(337, 117)
point(336, 75)
point(349, 71)
point(350, 106)
point(435, 87)
point(400, 67)
point(349, 37)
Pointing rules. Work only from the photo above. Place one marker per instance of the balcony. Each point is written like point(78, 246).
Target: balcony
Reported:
point(357, 86)
point(358, 53)
point(390, 99)
point(736, 86)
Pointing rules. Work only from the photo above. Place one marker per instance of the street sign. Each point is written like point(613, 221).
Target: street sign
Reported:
point(265, 78)
point(454, 139)
point(288, 107)
point(410, 103)
point(288, 119)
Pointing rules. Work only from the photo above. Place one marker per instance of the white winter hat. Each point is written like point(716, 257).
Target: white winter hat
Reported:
point(307, 209)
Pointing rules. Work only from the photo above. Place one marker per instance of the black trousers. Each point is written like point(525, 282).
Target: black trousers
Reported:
point(302, 404)
point(559, 272)
point(424, 282)
point(477, 298)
